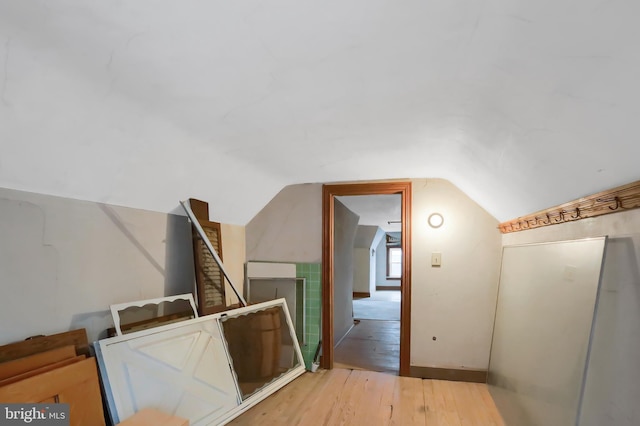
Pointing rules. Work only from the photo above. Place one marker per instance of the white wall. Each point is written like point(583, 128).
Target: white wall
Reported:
point(454, 303)
point(289, 227)
point(362, 258)
point(361, 270)
point(612, 387)
point(372, 260)
point(63, 261)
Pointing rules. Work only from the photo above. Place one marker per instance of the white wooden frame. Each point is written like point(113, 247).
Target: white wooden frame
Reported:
point(113, 366)
point(141, 303)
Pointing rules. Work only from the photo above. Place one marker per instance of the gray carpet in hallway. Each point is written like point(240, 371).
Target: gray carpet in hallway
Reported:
point(376, 309)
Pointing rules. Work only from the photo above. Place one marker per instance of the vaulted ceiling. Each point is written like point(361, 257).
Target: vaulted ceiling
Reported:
point(521, 104)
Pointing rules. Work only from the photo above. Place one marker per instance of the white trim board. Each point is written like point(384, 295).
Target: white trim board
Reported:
point(115, 308)
point(271, 270)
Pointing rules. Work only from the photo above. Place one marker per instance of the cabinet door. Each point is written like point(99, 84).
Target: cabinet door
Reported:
point(183, 371)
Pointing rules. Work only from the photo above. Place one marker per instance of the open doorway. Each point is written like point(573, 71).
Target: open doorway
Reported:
point(372, 341)
point(328, 263)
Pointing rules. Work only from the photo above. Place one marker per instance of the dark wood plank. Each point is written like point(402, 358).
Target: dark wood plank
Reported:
point(40, 370)
point(34, 345)
point(22, 365)
point(455, 374)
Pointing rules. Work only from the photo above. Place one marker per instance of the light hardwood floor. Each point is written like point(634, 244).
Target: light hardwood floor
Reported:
point(358, 397)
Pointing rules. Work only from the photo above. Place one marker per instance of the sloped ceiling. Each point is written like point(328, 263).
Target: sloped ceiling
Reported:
point(521, 104)
point(375, 211)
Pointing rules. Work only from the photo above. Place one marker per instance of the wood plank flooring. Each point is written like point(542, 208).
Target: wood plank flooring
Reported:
point(358, 397)
point(371, 345)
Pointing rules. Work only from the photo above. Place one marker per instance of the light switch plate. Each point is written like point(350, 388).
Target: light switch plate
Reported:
point(436, 259)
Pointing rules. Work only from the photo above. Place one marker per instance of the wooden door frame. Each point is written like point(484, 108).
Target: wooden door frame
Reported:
point(329, 192)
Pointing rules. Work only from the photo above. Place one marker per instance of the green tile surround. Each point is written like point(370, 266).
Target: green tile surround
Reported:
point(311, 271)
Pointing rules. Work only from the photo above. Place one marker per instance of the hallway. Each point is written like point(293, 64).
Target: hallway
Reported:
point(370, 345)
point(374, 341)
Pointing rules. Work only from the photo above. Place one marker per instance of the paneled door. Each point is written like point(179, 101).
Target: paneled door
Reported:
point(182, 370)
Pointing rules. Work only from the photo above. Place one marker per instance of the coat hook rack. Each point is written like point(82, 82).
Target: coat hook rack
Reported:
point(618, 204)
point(615, 200)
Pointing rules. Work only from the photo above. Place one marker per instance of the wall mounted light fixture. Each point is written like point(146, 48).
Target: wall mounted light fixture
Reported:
point(435, 220)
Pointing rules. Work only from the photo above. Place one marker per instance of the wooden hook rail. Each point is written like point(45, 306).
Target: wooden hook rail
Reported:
point(614, 200)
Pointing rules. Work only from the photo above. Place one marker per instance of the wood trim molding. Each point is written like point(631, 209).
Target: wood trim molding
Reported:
point(626, 197)
point(361, 294)
point(388, 287)
point(453, 374)
point(373, 188)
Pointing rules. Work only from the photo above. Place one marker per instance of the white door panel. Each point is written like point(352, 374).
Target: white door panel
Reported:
point(185, 368)
point(184, 371)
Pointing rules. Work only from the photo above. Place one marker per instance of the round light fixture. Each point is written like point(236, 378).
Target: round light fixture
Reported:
point(435, 220)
